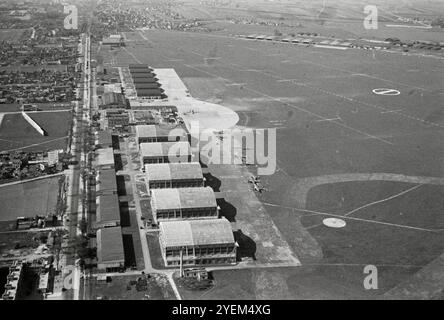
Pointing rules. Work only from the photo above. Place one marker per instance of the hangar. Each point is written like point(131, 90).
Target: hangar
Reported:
point(150, 93)
point(110, 254)
point(183, 204)
point(142, 80)
point(160, 133)
point(107, 211)
point(197, 242)
point(152, 85)
point(173, 175)
point(165, 152)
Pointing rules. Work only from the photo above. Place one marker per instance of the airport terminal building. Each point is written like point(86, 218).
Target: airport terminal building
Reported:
point(173, 175)
point(197, 242)
point(184, 204)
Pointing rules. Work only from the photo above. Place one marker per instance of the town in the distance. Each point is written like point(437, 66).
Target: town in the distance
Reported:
point(221, 149)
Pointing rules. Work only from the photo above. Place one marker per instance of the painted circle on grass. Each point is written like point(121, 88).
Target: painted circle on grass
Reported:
point(386, 92)
point(334, 223)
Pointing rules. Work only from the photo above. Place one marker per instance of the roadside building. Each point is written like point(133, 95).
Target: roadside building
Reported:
point(105, 158)
point(183, 204)
point(106, 182)
point(110, 254)
point(104, 139)
point(160, 133)
point(173, 175)
point(197, 243)
point(165, 152)
point(107, 211)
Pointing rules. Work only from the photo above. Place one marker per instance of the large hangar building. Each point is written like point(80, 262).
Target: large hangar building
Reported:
point(173, 175)
point(197, 242)
point(165, 152)
point(183, 204)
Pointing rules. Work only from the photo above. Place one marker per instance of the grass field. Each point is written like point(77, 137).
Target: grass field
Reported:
point(16, 133)
point(28, 199)
point(328, 122)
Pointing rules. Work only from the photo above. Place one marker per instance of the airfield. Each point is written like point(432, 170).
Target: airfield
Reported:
point(374, 161)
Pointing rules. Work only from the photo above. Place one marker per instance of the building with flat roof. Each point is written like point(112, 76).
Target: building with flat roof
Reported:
point(165, 152)
point(173, 175)
point(160, 133)
point(110, 254)
point(105, 158)
point(197, 242)
point(183, 204)
point(107, 211)
point(153, 85)
point(106, 182)
point(104, 139)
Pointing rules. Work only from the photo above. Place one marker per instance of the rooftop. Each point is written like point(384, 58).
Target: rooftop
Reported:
point(104, 138)
point(105, 157)
point(107, 181)
point(196, 232)
point(108, 208)
point(165, 149)
point(153, 131)
point(183, 198)
point(173, 171)
point(110, 245)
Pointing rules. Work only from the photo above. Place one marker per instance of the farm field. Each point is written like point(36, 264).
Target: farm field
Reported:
point(16, 133)
point(333, 134)
point(27, 199)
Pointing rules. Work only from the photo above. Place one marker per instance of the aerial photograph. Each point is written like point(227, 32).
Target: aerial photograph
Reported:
point(221, 150)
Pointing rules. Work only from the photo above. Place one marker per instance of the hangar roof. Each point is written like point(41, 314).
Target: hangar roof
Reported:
point(173, 171)
point(183, 198)
point(196, 232)
point(107, 181)
point(162, 149)
point(155, 130)
point(108, 208)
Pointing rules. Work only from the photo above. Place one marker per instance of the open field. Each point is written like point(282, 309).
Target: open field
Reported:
point(328, 122)
point(28, 199)
point(16, 133)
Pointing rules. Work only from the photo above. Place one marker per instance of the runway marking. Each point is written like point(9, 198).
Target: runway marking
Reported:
point(287, 80)
point(354, 218)
point(304, 185)
point(386, 92)
point(332, 119)
point(235, 84)
point(383, 200)
point(392, 111)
